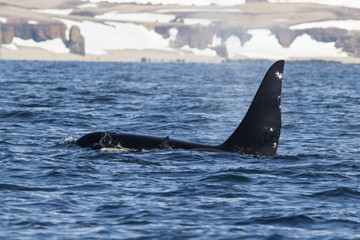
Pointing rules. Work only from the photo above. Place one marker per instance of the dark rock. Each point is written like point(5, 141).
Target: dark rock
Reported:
point(37, 32)
point(7, 33)
point(194, 36)
point(83, 13)
point(76, 42)
point(285, 36)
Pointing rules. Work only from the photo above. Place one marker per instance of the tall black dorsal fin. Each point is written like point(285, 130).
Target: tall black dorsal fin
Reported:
point(259, 131)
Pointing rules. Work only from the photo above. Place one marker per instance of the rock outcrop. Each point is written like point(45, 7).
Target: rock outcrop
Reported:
point(37, 32)
point(42, 32)
point(76, 42)
point(349, 41)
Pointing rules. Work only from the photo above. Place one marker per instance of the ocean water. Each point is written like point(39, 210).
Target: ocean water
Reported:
point(52, 189)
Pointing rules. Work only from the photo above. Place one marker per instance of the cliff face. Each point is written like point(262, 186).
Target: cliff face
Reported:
point(42, 32)
point(202, 37)
point(38, 32)
point(349, 41)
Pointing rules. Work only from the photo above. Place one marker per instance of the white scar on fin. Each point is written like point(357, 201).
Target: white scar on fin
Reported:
point(278, 75)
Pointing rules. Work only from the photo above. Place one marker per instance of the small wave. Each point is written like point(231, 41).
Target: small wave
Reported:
point(248, 171)
point(22, 188)
point(68, 140)
point(141, 162)
point(304, 156)
point(228, 177)
point(294, 220)
point(338, 192)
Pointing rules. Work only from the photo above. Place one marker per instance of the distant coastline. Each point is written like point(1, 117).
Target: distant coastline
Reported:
point(117, 31)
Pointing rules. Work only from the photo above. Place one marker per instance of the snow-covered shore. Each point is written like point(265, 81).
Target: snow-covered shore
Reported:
point(121, 35)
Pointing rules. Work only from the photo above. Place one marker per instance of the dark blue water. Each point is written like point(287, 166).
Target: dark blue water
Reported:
point(52, 189)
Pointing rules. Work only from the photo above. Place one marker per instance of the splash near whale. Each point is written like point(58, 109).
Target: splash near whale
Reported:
point(257, 134)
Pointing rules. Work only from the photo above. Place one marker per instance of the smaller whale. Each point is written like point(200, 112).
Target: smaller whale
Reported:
point(257, 134)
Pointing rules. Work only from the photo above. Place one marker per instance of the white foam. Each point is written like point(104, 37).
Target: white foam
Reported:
point(263, 44)
point(178, 2)
point(350, 25)
point(3, 20)
point(55, 45)
point(54, 11)
point(338, 3)
point(137, 17)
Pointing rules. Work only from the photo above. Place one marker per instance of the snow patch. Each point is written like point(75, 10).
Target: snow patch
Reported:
point(233, 46)
point(178, 2)
point(117, 36)
point(137, 17)
point(10, 46)
point(263, 44)
point(216, 41)
point(55, 45)
point(350, 25)
point(32, 22)
point(54, 11)
point(173, 34)
point(203, 52)
point(3, 20)
point(87, 5)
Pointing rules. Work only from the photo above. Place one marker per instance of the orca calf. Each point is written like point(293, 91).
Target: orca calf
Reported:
point(258, 133)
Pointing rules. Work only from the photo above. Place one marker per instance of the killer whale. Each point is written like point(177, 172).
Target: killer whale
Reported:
point(257, 134)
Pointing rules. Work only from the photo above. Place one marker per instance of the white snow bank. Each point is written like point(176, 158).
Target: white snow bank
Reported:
point(178, 2)
point(32, 22)
point(173, 34)
point(3, 20)
point(137, 17)
point(54, 11)
point(339, 3)
point(203, 52)
point(11, 46)
point(99, 38)
point(350, 25)
point(216, 41)
point(55, 45)
point(263, 44)
point(87, 5)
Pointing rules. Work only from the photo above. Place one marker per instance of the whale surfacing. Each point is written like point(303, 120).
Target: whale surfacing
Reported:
point(257, 134)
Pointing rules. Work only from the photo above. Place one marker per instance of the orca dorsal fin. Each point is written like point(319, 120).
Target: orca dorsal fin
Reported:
point(259, 131)
point(165, 143)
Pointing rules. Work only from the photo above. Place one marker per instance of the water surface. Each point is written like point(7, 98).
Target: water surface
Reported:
point(52, 189)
